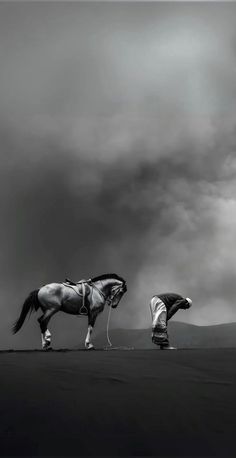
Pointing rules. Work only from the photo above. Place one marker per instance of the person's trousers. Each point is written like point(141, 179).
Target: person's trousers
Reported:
point(159, 322)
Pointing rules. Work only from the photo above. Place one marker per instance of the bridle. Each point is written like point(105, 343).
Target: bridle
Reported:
point(115, 290)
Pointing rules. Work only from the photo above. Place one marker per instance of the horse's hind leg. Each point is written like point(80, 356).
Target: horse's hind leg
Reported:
point(45, 333)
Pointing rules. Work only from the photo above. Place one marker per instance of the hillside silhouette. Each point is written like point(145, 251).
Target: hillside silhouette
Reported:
point(182, 335)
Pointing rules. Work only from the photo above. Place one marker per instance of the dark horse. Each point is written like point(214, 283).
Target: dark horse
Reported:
point(86, 297)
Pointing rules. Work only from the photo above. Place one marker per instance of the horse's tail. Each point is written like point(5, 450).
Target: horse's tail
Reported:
point(31, 303)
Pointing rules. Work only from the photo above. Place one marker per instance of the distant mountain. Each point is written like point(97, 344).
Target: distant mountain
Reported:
point(181, 335)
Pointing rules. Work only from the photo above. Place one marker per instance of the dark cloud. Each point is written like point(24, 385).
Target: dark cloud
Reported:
point(118, 154)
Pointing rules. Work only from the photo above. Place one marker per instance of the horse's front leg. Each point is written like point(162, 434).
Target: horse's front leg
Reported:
point(88, 343)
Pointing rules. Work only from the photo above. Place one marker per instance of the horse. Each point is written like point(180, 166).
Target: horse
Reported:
point(83, 298)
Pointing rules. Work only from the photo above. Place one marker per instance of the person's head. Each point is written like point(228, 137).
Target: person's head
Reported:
point(189, 302)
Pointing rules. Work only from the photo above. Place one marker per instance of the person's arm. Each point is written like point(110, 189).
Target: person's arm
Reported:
point(179, 304)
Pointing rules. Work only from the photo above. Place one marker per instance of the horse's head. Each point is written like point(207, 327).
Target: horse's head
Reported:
point(117, 291)
point(113, 287)
point(187, 303)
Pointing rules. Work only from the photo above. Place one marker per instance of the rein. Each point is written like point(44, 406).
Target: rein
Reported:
point(110, 346)
point(108, 322)
point(109, 301)
point(99, 290)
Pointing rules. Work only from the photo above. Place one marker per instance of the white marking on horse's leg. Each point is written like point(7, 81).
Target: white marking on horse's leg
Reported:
point(46, 339)
point(47, 336)
point(43, 341)
point(88, 343)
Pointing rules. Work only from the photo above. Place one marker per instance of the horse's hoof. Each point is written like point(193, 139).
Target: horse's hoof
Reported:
point(47, 349)
point(90, 347)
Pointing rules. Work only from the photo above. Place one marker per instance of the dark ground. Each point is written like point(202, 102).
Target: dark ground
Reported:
point(117, 403)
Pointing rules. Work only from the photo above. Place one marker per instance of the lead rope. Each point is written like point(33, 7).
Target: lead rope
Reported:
point(108, 322)
point(108, 340)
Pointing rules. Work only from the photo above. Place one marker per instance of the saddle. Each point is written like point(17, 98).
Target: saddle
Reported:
point(81, 288)
point(78, 286)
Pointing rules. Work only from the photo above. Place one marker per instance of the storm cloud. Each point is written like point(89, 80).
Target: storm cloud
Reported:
point(118, 142)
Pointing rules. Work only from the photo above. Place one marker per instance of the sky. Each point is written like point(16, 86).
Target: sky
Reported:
point(117, 141)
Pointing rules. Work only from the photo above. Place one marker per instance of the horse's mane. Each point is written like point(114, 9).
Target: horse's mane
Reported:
point(105, 276)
